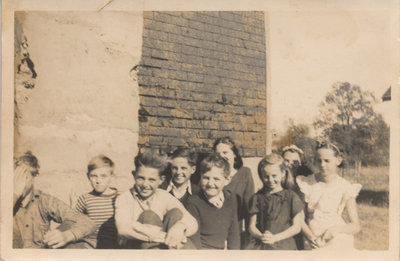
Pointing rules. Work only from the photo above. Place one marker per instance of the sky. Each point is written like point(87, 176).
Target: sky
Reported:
point(311, 48)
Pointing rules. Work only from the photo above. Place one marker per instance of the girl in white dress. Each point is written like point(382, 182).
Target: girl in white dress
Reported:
point(327, 195)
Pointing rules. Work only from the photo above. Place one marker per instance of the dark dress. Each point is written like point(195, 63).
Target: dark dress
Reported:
point(242, 185)
point(274, 213)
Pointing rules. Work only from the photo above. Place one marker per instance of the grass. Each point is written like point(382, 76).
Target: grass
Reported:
point(373, 207)
point(374, 234)
point(371, 178)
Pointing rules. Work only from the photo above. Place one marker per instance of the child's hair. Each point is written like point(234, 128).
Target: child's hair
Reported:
point(228, 141)
point(186, 153)
point(214, 160)
point(326, 144)
point(292, 148)
point(100, 161)
point(29, 159)
point(151, 159)
point(275, 159)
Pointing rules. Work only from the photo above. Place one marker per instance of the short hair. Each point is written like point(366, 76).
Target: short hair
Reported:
point(151, 159)
point(214, 160)
point(275, 159)
point(187, 153)
point(29, 159)
point(99, 161)
point(228, 141)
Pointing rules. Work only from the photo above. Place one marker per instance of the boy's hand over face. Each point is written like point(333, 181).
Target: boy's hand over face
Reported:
point(175, 236)
point(56, 238)
point(22, 178)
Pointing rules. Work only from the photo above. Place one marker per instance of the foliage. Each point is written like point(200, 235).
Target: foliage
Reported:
point(293, 134)
point(348, 119)
point(347, 105)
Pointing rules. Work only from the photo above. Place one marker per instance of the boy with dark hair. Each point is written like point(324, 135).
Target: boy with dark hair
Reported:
point(33, 211)
point(182, 166)
point(148, 217)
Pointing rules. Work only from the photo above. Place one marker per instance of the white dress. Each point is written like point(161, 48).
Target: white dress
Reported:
point(326, 202)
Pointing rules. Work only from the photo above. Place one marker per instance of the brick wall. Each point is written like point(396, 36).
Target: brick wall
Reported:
point(202, 76)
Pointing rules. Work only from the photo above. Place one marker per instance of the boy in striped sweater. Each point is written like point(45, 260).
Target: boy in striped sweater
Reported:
point(99, 203)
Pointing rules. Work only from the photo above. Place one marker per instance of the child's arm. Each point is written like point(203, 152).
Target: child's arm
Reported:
point(78, 225)
point(129, 228)
point(194, 211)
point(185, 227)
point(294, 229)
point(81, 204)
point(188, 222)
point(233, 239)
point(307, 232)
point(352, 227)
point(253, 228)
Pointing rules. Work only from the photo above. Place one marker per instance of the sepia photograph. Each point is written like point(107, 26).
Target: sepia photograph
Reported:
point(129, 130)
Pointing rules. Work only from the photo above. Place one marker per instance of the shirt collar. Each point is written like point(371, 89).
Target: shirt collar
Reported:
point(186, 187)
point(144, 203)
point(30, 198)
point(218, 200)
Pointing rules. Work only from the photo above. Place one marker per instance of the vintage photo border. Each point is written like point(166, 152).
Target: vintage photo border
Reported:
point(7, 130)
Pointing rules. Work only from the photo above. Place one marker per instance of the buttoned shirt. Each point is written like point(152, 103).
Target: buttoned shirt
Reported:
point(32, 220)
point(181, 191)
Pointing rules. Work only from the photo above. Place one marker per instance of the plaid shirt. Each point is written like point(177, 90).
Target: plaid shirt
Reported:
point(32, 220)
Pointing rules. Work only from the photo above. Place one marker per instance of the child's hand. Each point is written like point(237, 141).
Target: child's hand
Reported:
point(22, 177)
point(268, 238)
point(154, 233)
point(317, 242)
point(175, 236)
point(56, 238)
point(328, 235)
point(320, 242)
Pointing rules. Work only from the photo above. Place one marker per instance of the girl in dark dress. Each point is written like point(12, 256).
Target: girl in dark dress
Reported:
point(276, 213)
point(240, 184)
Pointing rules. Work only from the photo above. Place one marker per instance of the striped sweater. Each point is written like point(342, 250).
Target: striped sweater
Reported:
point(100, 208)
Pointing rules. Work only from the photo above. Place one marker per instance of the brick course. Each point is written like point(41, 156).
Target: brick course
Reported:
point(201, 77)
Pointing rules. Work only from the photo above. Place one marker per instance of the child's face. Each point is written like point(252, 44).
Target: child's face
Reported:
point(213, 181)
point(328, 162)
point(100, 178)
point(272, 176)
point(181, 171)
point(225, 151)
point(147, 181)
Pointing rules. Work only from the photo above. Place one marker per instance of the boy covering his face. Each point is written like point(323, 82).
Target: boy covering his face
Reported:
point(33, 211)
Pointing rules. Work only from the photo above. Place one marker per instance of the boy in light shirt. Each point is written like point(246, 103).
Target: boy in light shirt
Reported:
point(148, 217)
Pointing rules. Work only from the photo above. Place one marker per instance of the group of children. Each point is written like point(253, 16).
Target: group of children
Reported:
point(165, 209)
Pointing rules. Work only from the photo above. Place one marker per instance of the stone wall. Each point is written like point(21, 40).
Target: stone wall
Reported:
point(84, 100)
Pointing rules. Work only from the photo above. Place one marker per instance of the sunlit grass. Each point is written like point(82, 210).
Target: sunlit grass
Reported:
point(374, 234)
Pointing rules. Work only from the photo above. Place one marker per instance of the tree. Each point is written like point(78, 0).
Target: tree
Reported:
point(293, 134)
point(347, 105)
point(348, 119)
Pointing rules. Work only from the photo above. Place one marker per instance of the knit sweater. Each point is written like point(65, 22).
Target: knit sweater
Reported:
point(215, 224)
